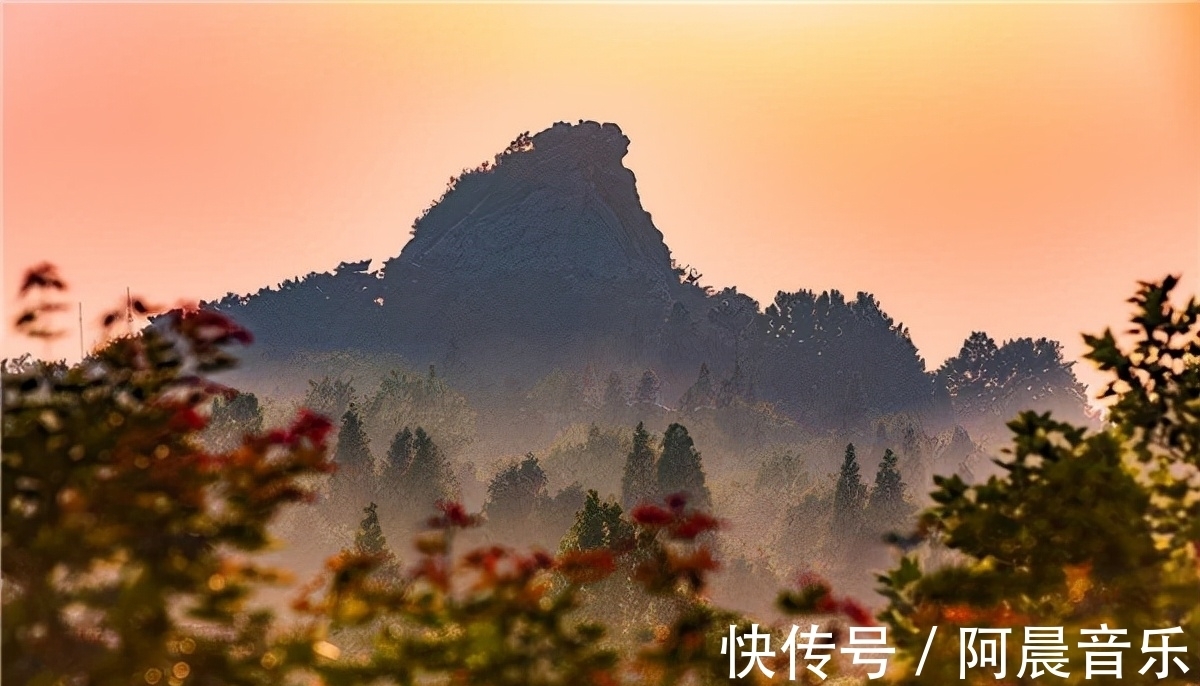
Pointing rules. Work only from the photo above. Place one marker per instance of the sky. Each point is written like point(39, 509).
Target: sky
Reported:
point(1012, 168)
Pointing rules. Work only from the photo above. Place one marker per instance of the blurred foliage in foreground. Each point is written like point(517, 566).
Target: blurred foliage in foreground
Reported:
point(1082, 529)
point(128, 548)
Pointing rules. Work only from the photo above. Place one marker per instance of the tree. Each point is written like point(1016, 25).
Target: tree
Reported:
point(648, 389)
point(988, 384)
point(514, 492)
point(589, 455)
point(429, 477)
point(849, 496)
point(887, 508)
point(679, 468)
point(426, 400)
point(329, 397)
point(369, 538)
point(353, 453)
point(1082, 528)
point(700, 394)
point(597, 525)
point(128, 551)
point(399, 456)
point(232, 417)
point(639, 481)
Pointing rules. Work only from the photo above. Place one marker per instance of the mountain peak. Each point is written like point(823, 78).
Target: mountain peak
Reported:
point(560, 202)
point(587, 138)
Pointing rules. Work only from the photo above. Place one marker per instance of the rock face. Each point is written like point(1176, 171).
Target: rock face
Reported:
point(547, 251)
point(545, 260)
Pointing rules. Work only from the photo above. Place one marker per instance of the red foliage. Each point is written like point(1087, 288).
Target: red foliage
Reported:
point(586, 566)
point(454, 516)
point(187, 419)
point(651, 516)
point(856, 612)
point(693, 525)
point(308, 426)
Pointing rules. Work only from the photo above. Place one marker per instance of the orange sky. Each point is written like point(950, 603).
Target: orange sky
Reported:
point(1012, 168)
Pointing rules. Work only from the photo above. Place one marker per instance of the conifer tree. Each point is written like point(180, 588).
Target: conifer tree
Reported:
point(369, 538)
point(515, 492)
point(353, 481)
point(680, 470)
point(849, 495)
point(399, 455)
point(429, 477)
point(700, 394)
point(648, 389)
point(638, 483)
point(597, 525)
point(353, 453)
point(887, 505)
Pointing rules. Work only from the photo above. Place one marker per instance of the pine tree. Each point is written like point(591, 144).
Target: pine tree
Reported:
point(369, 539)
point(353, 453)
point(353, 482)
point(849, 496)
point(887, 504)
point(680, 470)
point(648, 389)
point(597, 525)
point(700, 394)
point(638, 483)
point(515, 492)
point(399, 456)
point(429, 477)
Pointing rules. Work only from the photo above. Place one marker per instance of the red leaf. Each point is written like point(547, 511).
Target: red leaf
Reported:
point(651, 515)
point(693, 525)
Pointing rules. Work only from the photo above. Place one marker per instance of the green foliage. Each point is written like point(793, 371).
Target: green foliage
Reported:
point(679, 467)
point(597, 525)
point(1157, 384)
point(591, 456)
point(988, 383)
point(850, 495)
point(557, 397)
point(127, 550)
point(1082, 528)
point(413, 399)
point(639, 480)
point(497, 616)
point(417, 475)
point(515, 491)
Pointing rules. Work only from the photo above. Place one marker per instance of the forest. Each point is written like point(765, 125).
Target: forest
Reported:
point(383, 524)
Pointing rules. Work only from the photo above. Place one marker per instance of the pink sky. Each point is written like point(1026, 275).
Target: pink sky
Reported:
point(1011, 168)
